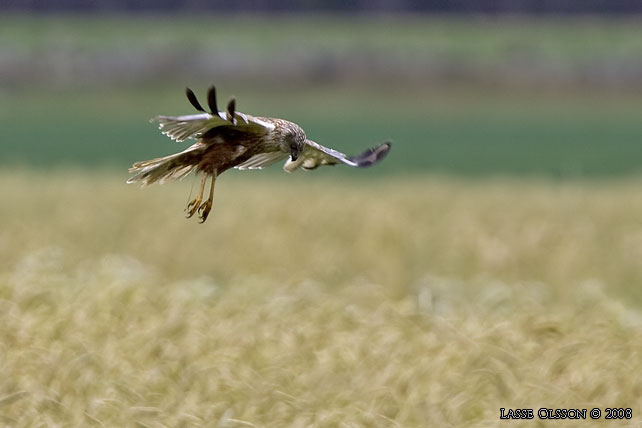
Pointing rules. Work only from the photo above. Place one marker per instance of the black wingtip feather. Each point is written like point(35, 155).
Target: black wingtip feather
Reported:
point(211, 100)
point(231, 108)
point(193, 100)
point(371, 156)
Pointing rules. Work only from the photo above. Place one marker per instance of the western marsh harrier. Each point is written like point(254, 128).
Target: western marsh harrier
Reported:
point(230, 139)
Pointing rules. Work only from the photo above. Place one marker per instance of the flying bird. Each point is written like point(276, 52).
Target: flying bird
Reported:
point(231, 139)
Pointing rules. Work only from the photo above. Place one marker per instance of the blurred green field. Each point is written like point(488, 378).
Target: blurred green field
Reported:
point(542, 97)
point(316, 302)
point(471, 39)
point(459, 131)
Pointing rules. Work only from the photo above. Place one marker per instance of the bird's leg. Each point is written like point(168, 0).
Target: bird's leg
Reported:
point(206, 207)
point(193, 205)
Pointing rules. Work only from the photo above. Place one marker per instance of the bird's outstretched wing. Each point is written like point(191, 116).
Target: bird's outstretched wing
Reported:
point(315, 154)
point(180, 128)
point(262, 160)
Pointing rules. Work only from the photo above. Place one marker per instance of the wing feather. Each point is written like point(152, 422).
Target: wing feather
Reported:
point(262, 160)
point(180, 128)
point(314, 155)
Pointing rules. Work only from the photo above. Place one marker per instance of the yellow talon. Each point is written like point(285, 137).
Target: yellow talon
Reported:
point(204, 210)
point(195, 203)
point(192, 207)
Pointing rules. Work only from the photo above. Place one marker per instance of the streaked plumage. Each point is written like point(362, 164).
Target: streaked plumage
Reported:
point(230, 139)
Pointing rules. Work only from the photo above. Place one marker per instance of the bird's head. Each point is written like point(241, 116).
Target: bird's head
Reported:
point(293, 141)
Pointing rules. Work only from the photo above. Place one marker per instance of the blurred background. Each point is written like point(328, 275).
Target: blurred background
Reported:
point(541, 88)
point(491, 260)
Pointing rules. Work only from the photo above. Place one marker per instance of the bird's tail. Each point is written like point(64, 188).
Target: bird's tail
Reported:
point(172, 167)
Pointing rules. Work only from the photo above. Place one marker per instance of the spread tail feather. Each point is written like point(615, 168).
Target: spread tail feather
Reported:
point(172, 167)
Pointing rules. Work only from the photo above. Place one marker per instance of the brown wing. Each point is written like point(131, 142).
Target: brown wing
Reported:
point(180, 128)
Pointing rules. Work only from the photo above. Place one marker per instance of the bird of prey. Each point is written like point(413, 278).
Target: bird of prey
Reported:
point(231, 139)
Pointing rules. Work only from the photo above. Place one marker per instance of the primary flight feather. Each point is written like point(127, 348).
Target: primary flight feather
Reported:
point(231, 139)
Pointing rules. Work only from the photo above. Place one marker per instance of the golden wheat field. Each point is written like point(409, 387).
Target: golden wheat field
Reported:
point(311, 301)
